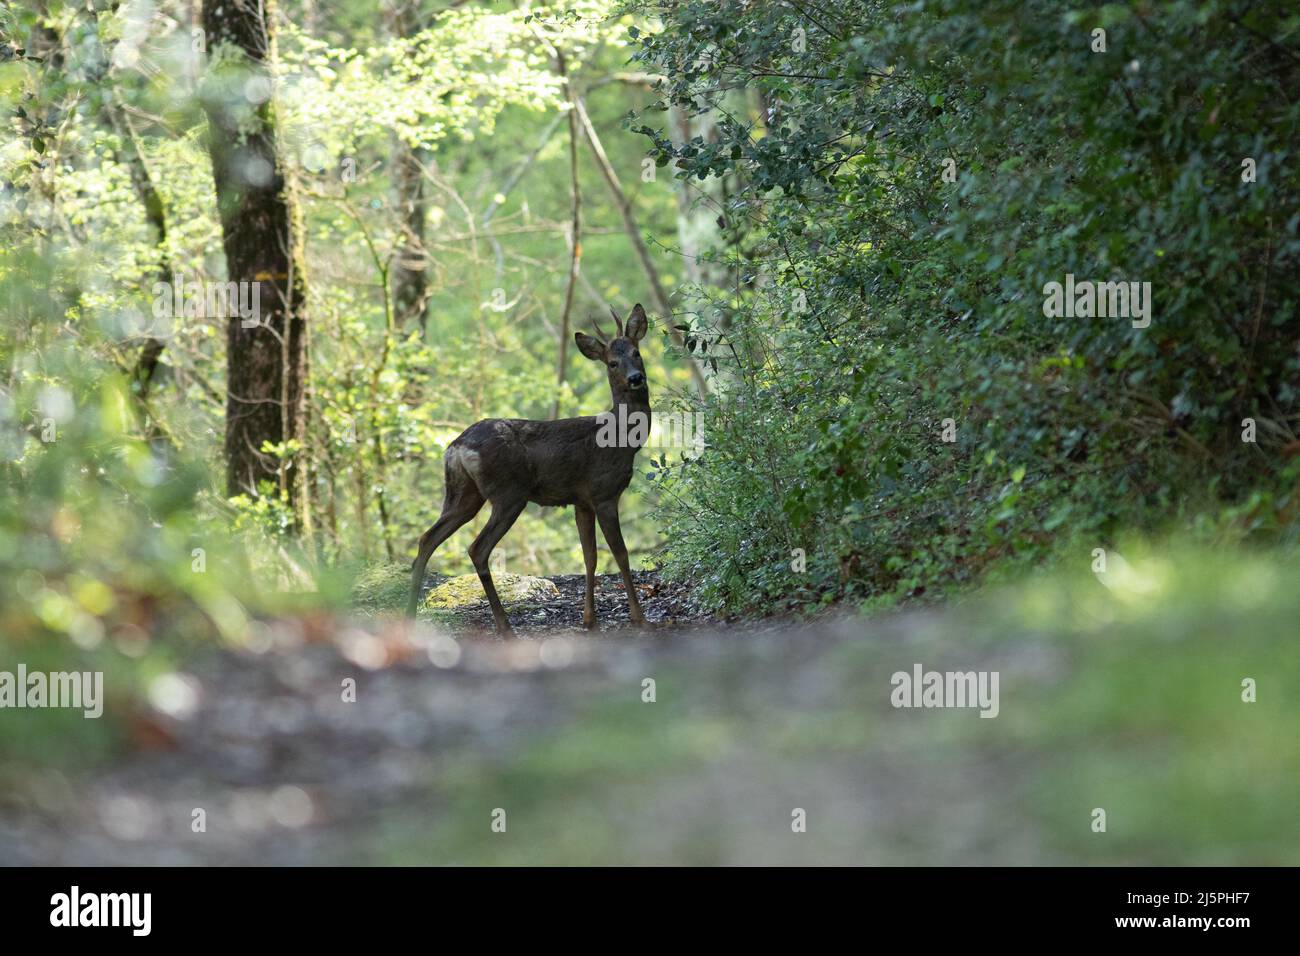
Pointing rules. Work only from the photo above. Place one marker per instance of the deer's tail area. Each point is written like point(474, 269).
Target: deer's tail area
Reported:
point(461, 476)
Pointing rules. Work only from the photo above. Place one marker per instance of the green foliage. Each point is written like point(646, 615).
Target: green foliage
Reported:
point(875, 299)
point(382, 587)
point(477, 91)
point(112, 556)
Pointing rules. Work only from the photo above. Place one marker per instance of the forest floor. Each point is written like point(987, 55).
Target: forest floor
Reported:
point(700, 741)
point(287, 772)
point(668, 606)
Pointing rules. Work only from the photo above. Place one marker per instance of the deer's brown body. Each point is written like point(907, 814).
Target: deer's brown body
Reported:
point(510, 462)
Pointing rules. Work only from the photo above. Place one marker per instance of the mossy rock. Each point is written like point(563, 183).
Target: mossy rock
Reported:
point(382, 587)
point(466, 591)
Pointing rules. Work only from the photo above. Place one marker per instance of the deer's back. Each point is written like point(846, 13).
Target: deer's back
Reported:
point(550, 463)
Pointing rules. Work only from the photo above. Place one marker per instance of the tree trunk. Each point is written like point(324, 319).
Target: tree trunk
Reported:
point(129, 155)
point(410, 264)
point(262, 235)
point(700, 207)
point(575, 235)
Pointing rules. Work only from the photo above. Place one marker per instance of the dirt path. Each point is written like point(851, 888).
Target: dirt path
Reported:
point(446, 727)
point(372, 741)
point(667, 606)
point(287, 771)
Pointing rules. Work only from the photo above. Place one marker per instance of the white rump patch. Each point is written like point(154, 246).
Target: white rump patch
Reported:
point(468, 459)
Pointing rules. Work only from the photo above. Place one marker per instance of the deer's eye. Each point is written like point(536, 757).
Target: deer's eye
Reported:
point(613, 365)
point(636, 353)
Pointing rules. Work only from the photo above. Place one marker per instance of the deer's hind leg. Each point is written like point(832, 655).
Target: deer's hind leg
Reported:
point(461, 502)
point(504, 514)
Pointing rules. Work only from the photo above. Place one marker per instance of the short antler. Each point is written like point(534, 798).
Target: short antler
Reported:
point(617, 321)
point(600, 333)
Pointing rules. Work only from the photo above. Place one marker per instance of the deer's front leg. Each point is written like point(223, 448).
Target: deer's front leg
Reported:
point(607, 512)
point(587, 535)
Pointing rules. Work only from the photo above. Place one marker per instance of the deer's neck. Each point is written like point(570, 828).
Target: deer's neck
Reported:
point(631, 418)
point(632, 402)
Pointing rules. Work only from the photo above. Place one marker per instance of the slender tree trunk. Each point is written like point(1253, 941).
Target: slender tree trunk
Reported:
point(575, 235)
point(410, 265)
point(698, 215)
point(267, 362)
point(376, 429)
point(129, 155)
point(362, 495)
point(638, 243)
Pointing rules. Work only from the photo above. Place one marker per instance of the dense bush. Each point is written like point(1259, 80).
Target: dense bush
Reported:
point(874, 298)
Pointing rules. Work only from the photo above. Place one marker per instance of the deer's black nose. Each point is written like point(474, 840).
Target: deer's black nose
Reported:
point(636, 379)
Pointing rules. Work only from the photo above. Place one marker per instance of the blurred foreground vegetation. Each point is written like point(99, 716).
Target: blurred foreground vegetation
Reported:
point(1120, 691)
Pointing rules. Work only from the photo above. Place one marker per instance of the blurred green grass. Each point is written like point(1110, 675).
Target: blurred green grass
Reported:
point(1120, 691)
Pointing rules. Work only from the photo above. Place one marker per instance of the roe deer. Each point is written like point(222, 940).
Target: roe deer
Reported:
point(512, 461)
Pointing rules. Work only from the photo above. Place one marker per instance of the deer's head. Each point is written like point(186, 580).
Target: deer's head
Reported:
point(620, 355)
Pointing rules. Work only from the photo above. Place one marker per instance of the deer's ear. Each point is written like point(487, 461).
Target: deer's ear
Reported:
point(636, 323)
point(590, 347)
